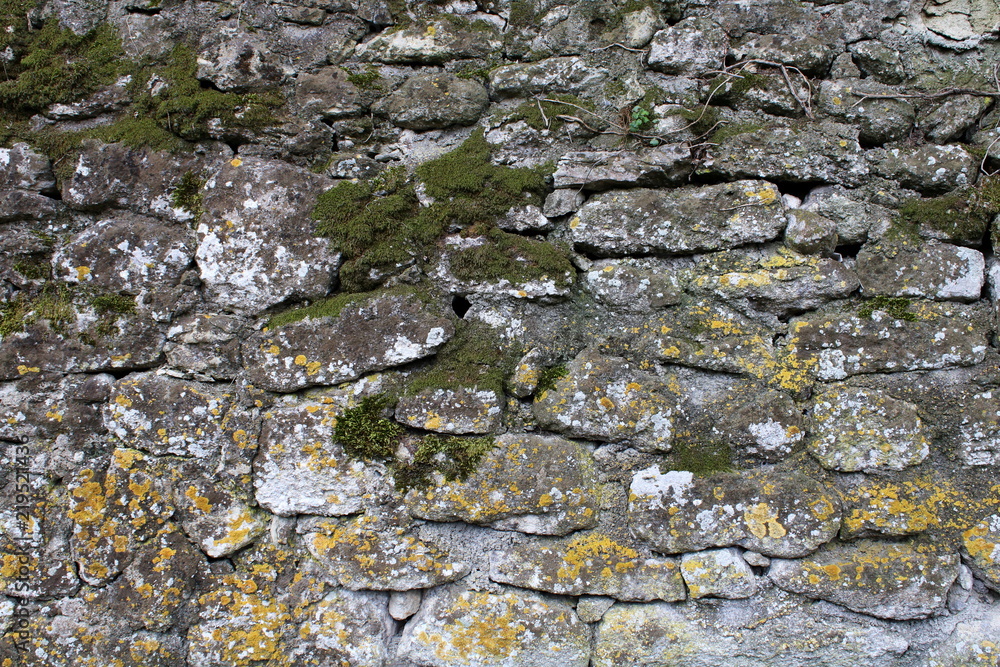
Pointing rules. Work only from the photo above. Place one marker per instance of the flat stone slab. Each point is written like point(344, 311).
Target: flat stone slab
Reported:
point(942, 335)
point(367, 335)
point(464, 628)
point(679, 221)
point(569, 74)
point(462, 410)
point(604, 399)
point(593, 563)
point(930, 169)
point(606, 170)
point(938, 271)
point(720, 573)
point(776, 514)
point(529, 483)
point(636, 285)
point(865, 429)
point(883, 579)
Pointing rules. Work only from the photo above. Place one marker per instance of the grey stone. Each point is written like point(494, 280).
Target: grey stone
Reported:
point(606, 170)
point(981, 549)
point(368, 335)
point(863, 429)
point(603, 398)
point(681, 220)
point(456, 627)
point(206, 345)
point(546, 77)
point(21, 168)
point(328, 92)
point(693, 47)
point(433, 43)
point(221, 518)
point(529, 483)
point(952, 118)
point(462, 410)
point(242, 64)
point(23, 205)
point(253, 199)
point(879, 61)
point(637, 285)
point(528, 218)
point(591, 609)
point(884, 579)
point(936, 271)
point(805, 52)
point(720, 573)
point(810, 233)
point(880, 120)
point(930, 169)
point(431, 101)
point(561, 202)
point(404, 604)
point(593, 563)
point(856, 217)
point(777, 514)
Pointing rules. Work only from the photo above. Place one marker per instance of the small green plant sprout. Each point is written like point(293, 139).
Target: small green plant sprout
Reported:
point(640, 119)
point(365, 434)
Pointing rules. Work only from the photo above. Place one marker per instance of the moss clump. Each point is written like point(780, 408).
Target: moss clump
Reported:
point(370, 79)
point(530, 113)
point(522, 13)
point(730, 130)
point(701, 121)
point(33, 269)
point(324, 308)
point(53, 302)
point(547, 378)
point(510, 257)
point(474, 357)
point(701, 458)
point(187, 195)
point(380, 226)
point(964, 215)
point(730, 88)
point(109, 307)
point(453, 457)
point(897, 307)
point(365, 434)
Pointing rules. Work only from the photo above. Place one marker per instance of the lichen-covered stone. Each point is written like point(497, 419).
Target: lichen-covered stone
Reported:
point(221, 518)
point(593, 563)
point(780, 281)
point(777, 514)
point(529, 483)
point(938, 271)
point(433, 43)
point(462, 410)
point(827, 152)
point(606, 170)
point(977, 437)
point(162, 415)
point(682, 220)
point(637, 285)
point(301, 469)
point(242, 65)
point(349, 628)
point(972, 643)
point(805, 52)
point(429, 101)
point(884, 579)
point(367, 335)
point(841, 345)
point(369, 553)
point(810, 233)
point(550, 76)
point(720, 573)
point(603, 398)
point(856, 217)
point(791, 632)
point(914, 504)
point(245, 202)
point(21, 168)
point(694, 47)
point(864, 429)
point(930, 169)
point(465, 628)
point(881, 120)
point(205, 345)
point(953, 117)
point(981, 548)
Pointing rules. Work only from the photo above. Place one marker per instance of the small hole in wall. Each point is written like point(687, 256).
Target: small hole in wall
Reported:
point(848, 250)
point(460, 305)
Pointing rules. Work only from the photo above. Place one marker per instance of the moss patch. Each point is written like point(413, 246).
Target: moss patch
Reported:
point(897, 307)
point(701, 458)
point(453, 457)
point(187, 195)
point(546, 117)
point(365, 434)
point(505, 256)
point(548, 377)
point(109, 307)
point(33, 269)
point(474, 357)
point(370, 79)
point(729, 130)
point(964, 215)
point(53, 302)
point(380, 226)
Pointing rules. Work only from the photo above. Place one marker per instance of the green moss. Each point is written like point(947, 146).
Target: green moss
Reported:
point(547, 378)
point(14, 315)
point(701, 458)
point(380, 226)
point(474, 357)
point(505, 256)
point(530, 113)
point(729, 130)
point(730, 88)
point(476, 71)
point(370, 79)
point(897, 307)
point(188, 195)
point(53, 302)
point(522, 13)
point(453, 457)
point(365, 434)
point(702, 120)
point(109, 307)
point(963, 215)
point(33, 269)
point(332, 306)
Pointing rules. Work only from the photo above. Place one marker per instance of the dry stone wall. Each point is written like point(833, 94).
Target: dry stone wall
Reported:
point(378, 333)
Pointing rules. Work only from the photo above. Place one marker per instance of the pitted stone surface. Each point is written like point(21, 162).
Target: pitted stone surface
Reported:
point(930, 169)
point(451, 410)
point(938, 271)
point(884, 579)
point(367, 335)
point(863, 429)
point(604, 170)
point(694, 46)
point(784, 515)
point(22, 168)
point(841, 345)
point(430, 101)
point(432, 43)
point(682, 220)
point(602, 398)
point(554, 75)
point(456, 627)
point(633, 284)
point(247, 202)
point(720, 573)
point(592, 563)
point(529, 483)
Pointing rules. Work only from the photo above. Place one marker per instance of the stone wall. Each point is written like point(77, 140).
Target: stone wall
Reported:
point(381, 333)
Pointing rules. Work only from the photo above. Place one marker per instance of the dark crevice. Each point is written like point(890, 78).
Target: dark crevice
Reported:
point(848, 249)
point(147, 11)
point(120, 373)
point(460, 305)
point(208, 85)
point(798, 190)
